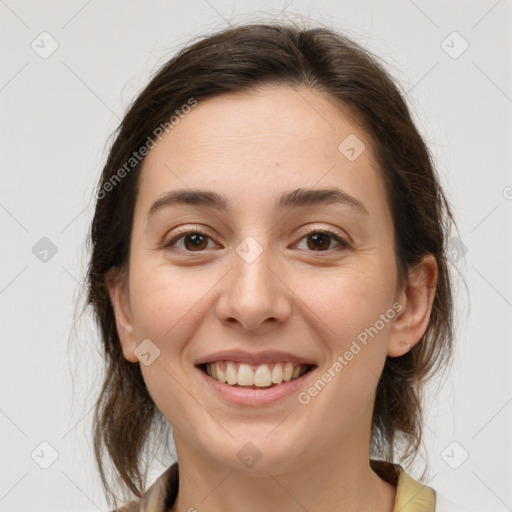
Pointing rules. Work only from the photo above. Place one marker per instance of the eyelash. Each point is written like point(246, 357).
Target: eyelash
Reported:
point(343, 244)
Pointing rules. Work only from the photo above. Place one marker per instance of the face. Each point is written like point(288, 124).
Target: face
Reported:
point(264, 278)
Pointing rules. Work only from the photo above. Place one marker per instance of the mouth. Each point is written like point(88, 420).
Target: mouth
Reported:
point(254, 376)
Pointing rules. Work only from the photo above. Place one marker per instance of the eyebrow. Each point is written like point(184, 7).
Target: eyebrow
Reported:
point(297, 198)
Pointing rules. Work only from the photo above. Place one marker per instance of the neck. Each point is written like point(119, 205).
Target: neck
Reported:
point(335, 479)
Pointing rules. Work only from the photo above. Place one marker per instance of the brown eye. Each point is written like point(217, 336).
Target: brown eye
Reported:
point(197, 242)
point(321, 241)
point(193, 241)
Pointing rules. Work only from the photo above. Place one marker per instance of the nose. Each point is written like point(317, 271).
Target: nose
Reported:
point(254, 294)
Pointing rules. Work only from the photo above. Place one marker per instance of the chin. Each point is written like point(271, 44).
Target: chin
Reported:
point(256, 453)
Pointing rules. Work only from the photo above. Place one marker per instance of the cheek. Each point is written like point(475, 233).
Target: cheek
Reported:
point(165, 303)
point(165, 306)
point(346, 302)
point(351, 314)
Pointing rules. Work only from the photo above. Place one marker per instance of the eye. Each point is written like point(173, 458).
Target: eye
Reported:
point(196, 241)
point(319, 240)
point(193, 241)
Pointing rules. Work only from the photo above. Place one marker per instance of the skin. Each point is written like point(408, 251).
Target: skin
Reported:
point(253, 147)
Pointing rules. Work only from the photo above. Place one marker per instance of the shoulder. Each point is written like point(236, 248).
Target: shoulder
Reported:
point(411, 495)
point(159, 496)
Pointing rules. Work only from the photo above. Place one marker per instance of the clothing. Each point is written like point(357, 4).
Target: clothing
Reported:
point(411, 495)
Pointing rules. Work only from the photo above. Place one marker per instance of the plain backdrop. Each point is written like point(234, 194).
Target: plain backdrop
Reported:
point(68, 72)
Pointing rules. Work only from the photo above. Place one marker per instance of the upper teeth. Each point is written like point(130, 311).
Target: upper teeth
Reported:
point(262, 375)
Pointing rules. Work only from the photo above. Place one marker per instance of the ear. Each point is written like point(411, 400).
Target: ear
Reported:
point(117, 285)
point(416, 298)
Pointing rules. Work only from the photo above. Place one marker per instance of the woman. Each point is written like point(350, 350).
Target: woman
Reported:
point(269, 275)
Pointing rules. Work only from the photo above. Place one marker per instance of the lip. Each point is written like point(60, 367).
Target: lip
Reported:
point(255, 397)
point(241, 356)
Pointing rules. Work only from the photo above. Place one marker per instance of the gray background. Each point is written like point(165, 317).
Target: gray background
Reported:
point(57, 113)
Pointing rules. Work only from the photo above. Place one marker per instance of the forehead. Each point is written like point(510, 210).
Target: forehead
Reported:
point(263, 114)
point(274, 138)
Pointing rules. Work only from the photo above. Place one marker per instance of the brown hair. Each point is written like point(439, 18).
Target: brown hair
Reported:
point(236, 60)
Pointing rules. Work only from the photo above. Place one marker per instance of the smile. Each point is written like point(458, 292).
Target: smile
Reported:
point(253, 375)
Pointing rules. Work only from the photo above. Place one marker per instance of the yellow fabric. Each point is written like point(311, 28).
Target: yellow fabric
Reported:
point(411, 495)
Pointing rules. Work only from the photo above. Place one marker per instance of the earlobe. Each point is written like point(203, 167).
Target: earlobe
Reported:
point(119, 297)
point(416, 298)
